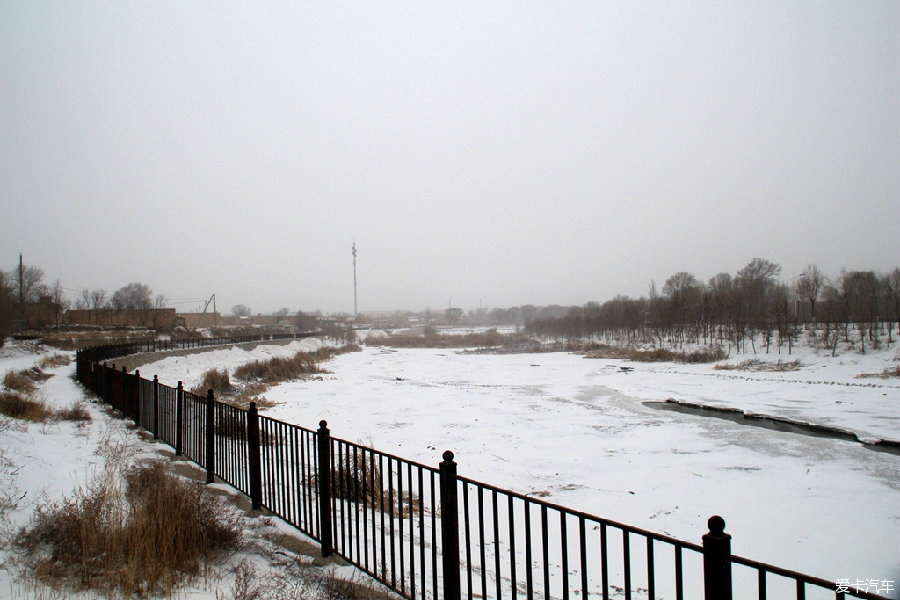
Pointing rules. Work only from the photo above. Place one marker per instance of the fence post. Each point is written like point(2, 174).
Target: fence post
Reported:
point(179, 419)
point(136, 397)
point(717, 561)
point(155, 406)
point(449, 527)
point(253, 462)
point(210, 437)
point(324, 482)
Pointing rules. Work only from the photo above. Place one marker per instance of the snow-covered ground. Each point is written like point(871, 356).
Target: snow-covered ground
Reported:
point(579, 432)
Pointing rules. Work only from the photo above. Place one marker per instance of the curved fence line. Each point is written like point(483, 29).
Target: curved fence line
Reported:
point(424, 531)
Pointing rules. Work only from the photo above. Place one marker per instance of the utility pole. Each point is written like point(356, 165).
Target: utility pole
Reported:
point(354, 280)
point(21, 281)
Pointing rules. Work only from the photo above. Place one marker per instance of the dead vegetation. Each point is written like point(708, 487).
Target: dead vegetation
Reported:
point(25, 407)
point(429, 338)
point(887, 373)
point(703, 355)
point(136, 530)
point(255, 377)
point(22, 399)
point(52, 361)
point(755, 364)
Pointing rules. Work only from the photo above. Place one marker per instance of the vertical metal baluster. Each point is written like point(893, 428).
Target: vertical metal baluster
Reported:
point(434, 543)
point(582, 546)
point(512, 547)
point(564, 547)
point(391, 517)
point(481, 544)
point(400, 523)
point(465, 489)
point(626, 552)
point(422, 587)
point(604, 562)
point(679, 575)
point(497, 576)
point(545, 550)
point(529, 564)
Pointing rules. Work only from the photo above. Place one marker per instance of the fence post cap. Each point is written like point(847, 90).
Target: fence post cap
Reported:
point(448, 456)
point(155, 378)
point(716, 526)
point(323, 424)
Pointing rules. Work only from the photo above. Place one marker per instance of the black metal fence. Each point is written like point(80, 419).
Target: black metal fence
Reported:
point(426, 532)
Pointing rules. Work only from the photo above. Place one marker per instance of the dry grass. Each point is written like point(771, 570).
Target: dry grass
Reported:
point(755, 364)
point(887, 373)
point(704, 355)
point(22, 382)
point(278, 369)
point(431, 339)
point(26, 407)
point(217, 380)
point(145, 538)
point(52, 361)
point(76, 413)
point(21, 399)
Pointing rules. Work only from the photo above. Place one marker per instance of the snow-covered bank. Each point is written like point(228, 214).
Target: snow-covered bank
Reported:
point(42, 463)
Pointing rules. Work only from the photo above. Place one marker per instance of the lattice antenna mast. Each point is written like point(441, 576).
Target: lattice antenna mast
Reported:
point(355, 312)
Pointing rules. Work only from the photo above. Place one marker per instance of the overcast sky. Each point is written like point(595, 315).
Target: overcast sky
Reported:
point(479, 153)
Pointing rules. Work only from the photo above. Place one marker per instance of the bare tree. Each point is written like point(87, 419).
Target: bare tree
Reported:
point(756, 281)
point(98, 299)
point(133, 295)
point(892, 295)
point(453, 315)
point(305, 321)
point(83, 301)
point(240, 310)
point(808, 287)
point(28, 283)
point(160, 301)
point(7, 299)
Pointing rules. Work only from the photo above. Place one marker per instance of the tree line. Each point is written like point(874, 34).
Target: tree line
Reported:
point(737, 309)
point(24, 284)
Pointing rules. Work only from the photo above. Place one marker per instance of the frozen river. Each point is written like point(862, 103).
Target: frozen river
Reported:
point(584, 434)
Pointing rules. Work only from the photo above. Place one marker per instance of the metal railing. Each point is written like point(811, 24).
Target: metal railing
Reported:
point(426, 532)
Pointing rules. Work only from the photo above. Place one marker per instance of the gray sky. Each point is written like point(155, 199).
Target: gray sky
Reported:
point(480, 153)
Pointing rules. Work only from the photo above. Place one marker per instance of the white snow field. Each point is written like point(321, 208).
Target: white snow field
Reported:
point(579, 432)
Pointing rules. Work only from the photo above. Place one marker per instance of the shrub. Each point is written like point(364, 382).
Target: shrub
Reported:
point(76, 413)
point(278, 369)
point(19, 381)
point(887, 373)
point(54, 360)
point(216, 380)
point(431, 339)
point(755, 364)
point(146, 539)
point(23, 406)
point(657, 354)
